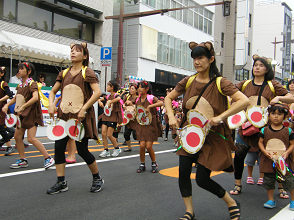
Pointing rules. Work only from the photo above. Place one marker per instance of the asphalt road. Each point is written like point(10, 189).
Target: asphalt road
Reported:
point(125, 195)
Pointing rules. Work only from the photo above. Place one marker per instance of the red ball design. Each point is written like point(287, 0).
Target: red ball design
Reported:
point(193, 139)
point(196, 121)
point(256, 116)
point(236, 119)
point(58, 130)
point(73, 131)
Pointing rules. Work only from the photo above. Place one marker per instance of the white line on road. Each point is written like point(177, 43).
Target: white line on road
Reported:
point(77, 164)
point(284, 214)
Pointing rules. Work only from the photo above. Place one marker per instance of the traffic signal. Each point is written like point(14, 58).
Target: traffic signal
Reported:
point(227, 8)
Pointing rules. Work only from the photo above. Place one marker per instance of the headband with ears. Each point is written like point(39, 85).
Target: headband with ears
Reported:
point(206, 44)
point(84, 45)
point(268, 60)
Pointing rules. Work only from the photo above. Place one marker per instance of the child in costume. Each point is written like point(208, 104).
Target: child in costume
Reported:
point(79, 91)
point(109, 123)
point(28, 109)
point(147, 134)
point(276, 140)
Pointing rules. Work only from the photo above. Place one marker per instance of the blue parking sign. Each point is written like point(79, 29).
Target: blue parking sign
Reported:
point(106, 53)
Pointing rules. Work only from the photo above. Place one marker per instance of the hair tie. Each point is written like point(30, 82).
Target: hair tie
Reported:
point(26, 64)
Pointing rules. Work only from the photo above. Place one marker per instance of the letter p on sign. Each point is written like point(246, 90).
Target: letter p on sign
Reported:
point(106, 53)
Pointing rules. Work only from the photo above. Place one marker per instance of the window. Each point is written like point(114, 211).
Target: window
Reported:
point(7, 9)
point(177, 52)
point(179, 13)
point(201, 23)
point(173, 5)
point(242, 74)
point(196, 20)
point(222, 39)
point(33, 16)
point(87, 32)
point(250, 20)
point(67, 26)
point(190, 17)
point(171, 54)
point(249, 49)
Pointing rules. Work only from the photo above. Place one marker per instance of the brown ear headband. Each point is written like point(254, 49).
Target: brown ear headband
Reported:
point(84, 45)
point(268, 60)
point(206, 44)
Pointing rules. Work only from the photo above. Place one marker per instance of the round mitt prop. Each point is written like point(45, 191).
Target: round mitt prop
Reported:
point(74, 129)
point(143, 117)
point(257, 116)
point(192, 138)
point(107, 110)
point(10, 120)
point(235, 121)
point(56, 130)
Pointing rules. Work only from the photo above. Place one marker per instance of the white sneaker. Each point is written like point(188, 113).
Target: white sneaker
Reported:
point(105, 153)
point(116, 152)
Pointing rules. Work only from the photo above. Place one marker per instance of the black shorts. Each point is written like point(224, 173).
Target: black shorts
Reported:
point(109, 124)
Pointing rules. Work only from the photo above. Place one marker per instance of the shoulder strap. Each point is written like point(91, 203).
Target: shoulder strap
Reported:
point(270, 84)
point(202, 91)
point(290, 131)
point(190, 80)
point(150, 98)
point(245, 84)
point(84, 68)
point(65, 72)
point(262, 130)
point(260, 93)
point(2, 84)
point(218, 84)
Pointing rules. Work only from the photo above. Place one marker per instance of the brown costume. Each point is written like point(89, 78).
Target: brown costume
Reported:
point(2, 94)
point(216, 152)
point(282, 137)
point(133, 124)
point(32, 115)
point(76, 91)
point(116, 115)
point(252, 91)
point(153, 131)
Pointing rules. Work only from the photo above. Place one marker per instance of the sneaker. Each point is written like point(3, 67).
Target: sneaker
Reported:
point(291, 206)
point(97, 185)
point(49, 162)
point(116, 152)
point(270, 204)
point(154, 168)
point(21, 163)
point(141, 168)
point(57, 188)
point(9, 150)
point(105, 153)
point(165, 139)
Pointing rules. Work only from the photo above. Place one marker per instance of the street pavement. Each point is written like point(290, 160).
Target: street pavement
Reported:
point(125, 195)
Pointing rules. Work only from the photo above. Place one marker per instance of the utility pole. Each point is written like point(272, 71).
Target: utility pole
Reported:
point(121, 17)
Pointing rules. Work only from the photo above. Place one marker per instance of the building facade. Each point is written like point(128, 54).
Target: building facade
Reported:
point(272, 36)
point(156, 47)
point(41, 32)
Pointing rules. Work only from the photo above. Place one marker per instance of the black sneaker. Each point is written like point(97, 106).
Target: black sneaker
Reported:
point(9, 150)
point(57, 188)
point(96, 185)
point(141, 168)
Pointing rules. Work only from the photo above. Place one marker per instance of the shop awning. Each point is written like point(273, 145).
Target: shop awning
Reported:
point(22, 47)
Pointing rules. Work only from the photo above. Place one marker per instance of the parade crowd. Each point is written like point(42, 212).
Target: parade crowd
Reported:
point(209, 118)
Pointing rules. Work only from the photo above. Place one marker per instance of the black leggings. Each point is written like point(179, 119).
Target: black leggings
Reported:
point(202, 178)
point(166, 129)
point(6, 133)
point(128, 132)
point(82, 148)
point(239, 159)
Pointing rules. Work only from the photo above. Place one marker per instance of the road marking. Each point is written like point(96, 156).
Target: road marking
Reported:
point(78, 164)
point(285, 214)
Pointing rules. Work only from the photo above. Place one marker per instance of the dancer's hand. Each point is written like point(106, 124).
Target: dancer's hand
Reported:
point(5, 109)
point(21, 108)
point(51, 110)
point(215, 121)
point(285, 155)
point(81, 115)
point(173, 122)
point(268, 154)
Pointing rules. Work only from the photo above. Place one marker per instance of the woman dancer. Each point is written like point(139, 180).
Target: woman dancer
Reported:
point(215, 154)
point(271, 91)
